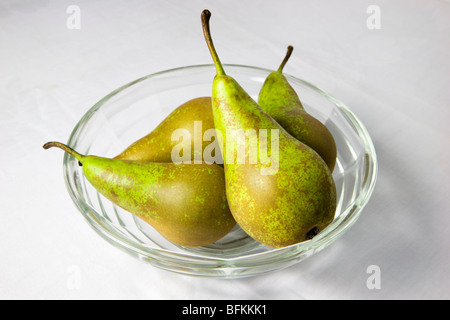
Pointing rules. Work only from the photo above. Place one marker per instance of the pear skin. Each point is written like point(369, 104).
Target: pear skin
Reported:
point(279, 99)
point(157, 146)
point(277, 208)
point(185, 203)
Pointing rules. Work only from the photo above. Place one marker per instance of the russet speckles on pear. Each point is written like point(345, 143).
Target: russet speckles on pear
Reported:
point(199, 203)
point(186, 203)
point(274, 216)
point(279, 100)
point(157, 146)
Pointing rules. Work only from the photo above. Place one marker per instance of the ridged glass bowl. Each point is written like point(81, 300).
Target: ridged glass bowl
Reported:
point(135, 109)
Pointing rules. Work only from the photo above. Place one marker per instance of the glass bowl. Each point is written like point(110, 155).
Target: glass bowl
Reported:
point(135, 109)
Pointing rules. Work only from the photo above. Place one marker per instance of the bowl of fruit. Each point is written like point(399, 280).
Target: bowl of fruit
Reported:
point(220, 170)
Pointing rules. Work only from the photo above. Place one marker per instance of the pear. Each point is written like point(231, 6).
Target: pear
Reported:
point(278, 202)
point(185, 203)
point(279, 99)
point(194, 117)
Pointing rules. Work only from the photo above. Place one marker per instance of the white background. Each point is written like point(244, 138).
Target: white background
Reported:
point(395, 79)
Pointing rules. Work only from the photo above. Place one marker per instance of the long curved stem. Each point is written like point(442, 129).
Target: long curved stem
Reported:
point(286, 58)
point(66, 148)
point(206, 15)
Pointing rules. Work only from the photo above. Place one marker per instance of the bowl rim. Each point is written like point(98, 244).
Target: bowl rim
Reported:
point(335, 230)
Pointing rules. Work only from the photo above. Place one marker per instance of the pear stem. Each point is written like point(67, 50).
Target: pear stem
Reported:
point(64, 147)
point(206, 15)
point(286, 58)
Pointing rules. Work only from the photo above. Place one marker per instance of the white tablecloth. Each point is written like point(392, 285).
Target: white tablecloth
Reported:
point(393, 72)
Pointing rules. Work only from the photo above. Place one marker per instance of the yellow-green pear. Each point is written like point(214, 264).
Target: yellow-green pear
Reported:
point(279, 99)
point(188, 130)
point(185, 203)
point(283, 193)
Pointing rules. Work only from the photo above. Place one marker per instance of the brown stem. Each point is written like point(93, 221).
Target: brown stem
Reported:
point(286, 58)
point(66, 148)
point(206, 15)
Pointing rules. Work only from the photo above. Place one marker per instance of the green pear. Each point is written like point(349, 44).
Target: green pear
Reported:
point(279, 99)
point(283, 197)
point(185, 203)
point(195, 118)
